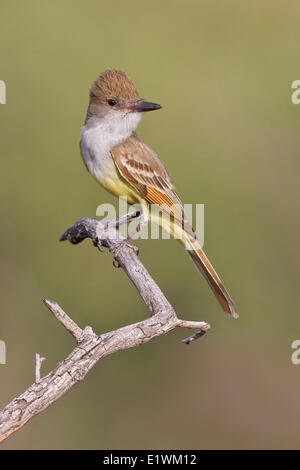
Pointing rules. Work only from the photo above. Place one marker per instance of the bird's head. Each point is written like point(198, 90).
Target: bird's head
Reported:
point(114, 95)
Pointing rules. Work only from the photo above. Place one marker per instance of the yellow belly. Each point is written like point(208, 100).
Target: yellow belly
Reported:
point(106, 173)
point(119, 187)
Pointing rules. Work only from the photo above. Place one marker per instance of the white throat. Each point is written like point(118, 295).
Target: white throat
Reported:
point(100, 135)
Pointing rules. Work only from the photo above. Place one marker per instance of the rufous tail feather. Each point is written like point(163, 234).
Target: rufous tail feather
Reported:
point(203, 265)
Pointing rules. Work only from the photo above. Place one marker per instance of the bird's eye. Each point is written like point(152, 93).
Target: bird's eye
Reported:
point(112, 102)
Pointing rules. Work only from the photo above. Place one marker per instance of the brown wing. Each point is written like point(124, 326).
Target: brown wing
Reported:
point(142, 168)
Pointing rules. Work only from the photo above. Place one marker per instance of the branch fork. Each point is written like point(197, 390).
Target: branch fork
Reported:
point(90, 347)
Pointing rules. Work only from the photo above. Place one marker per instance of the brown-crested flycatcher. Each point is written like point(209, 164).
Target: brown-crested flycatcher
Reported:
point(122, 163)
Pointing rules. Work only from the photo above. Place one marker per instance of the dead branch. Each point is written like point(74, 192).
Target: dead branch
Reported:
point(91, 347)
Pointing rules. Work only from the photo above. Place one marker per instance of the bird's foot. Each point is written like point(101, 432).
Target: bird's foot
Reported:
point(97, 243)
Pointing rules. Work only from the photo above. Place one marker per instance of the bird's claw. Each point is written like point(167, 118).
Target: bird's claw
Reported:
point(97, 243)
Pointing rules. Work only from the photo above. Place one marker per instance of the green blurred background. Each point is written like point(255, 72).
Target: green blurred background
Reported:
point(228, 133)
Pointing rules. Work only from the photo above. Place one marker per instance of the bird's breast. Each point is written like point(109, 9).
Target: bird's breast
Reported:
point(95, 149)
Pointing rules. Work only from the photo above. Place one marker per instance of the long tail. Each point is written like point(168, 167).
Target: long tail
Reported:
point(203, 265)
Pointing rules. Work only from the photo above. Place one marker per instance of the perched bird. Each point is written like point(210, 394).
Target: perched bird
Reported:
point(121, 162)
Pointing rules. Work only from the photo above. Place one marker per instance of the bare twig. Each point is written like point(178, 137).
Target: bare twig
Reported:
point(204, 327)
point(91, 347)
point(64, 319)
point(195, 336)
point(38, 363)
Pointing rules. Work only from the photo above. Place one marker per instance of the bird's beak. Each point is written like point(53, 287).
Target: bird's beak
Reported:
point(143, 106)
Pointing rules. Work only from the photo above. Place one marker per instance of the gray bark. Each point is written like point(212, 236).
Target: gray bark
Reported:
point(91, 347)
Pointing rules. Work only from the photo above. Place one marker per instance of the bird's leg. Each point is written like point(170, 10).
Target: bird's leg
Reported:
point(124, 219)
point(137, 229)
point(129, 237)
